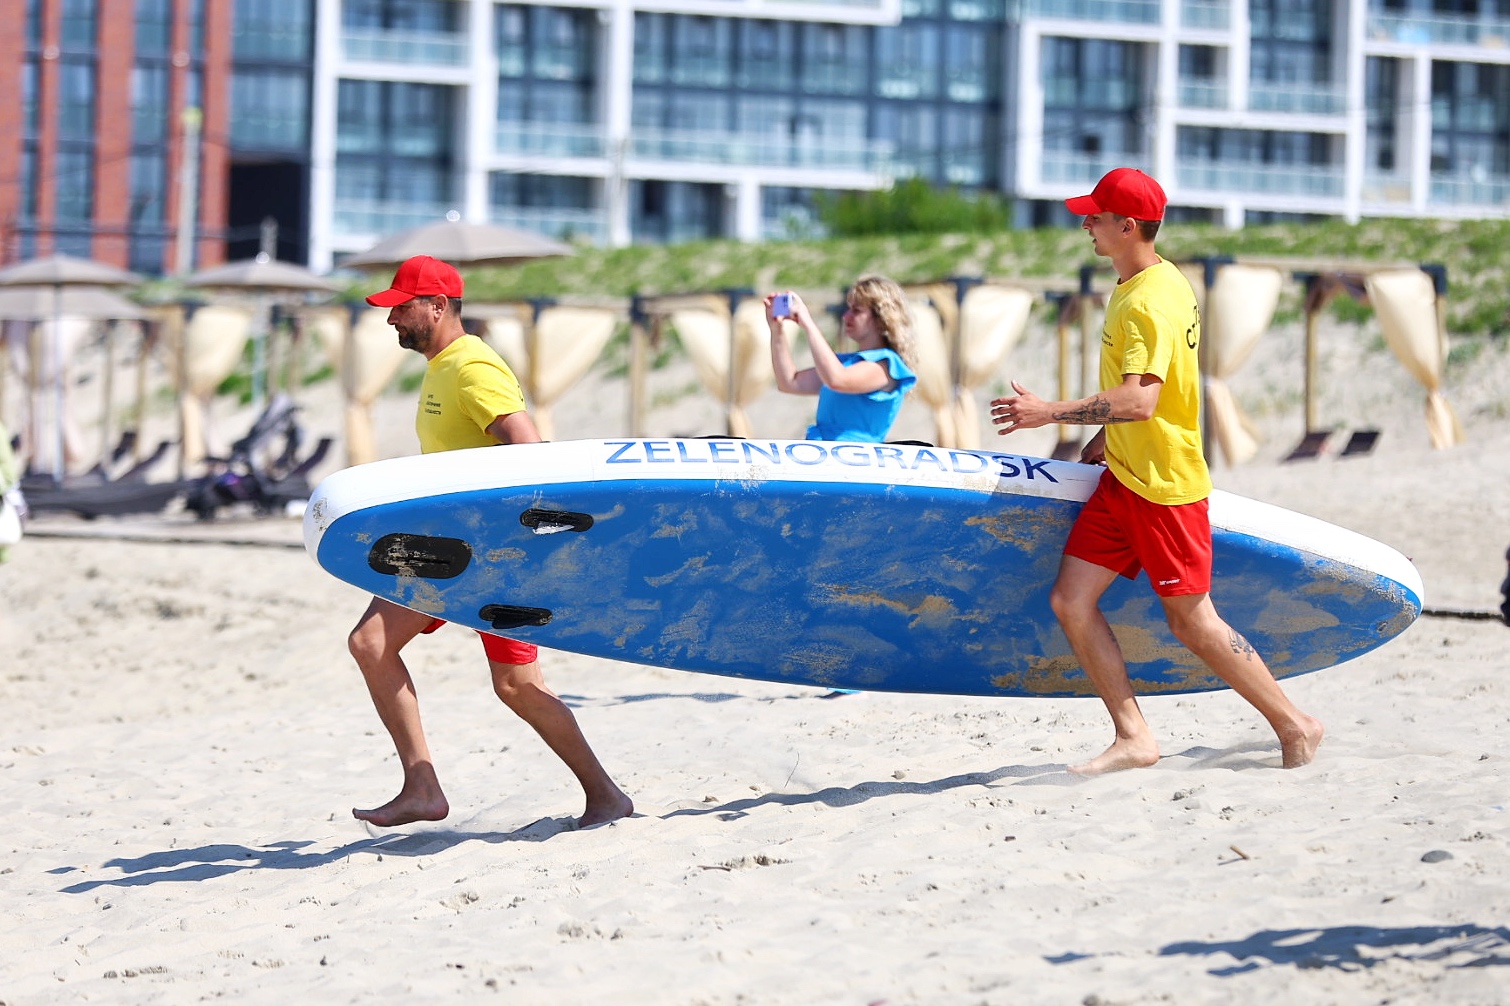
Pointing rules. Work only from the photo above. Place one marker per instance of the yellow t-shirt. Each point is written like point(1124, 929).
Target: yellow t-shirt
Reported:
point(1154, 327)
point(466, 387)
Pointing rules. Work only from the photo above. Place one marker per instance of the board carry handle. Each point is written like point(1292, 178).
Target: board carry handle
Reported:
point(550, 521)
point(512, 616)
point(424, 556)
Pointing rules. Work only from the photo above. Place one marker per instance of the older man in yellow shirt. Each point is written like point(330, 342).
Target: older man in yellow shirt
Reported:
point(469, 398)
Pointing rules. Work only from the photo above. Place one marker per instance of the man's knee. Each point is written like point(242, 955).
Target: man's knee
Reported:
point(367, 643)
point(1070, 607)
point(515, 683)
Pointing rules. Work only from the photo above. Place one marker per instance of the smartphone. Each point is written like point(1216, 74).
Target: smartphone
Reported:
point(781, 305)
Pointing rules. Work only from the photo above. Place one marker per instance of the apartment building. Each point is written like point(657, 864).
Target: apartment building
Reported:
point(619, 121)
point(105, 103)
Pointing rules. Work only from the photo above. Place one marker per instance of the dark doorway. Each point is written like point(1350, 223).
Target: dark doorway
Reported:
point(276, 189)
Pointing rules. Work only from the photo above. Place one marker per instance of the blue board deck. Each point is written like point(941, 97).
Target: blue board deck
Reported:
point(868, 566)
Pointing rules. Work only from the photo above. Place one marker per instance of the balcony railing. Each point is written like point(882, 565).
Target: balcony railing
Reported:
point(1386, 189)
point(375, 216)
point(557, 140)
point(1212, 15)
point(1470, 189)
point(1489, 32)
point(556, 222)
point(269, 39)
point(1120, 11)
point(1308, 99)
point(1267, 179)
point(1465, 114)
point(1203, 94)
point(764, 149)
point(902, 81)
point(1066, 166)
point(423, 48)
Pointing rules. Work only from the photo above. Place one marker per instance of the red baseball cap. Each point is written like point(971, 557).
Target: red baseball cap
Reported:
point(1126, 192)
point(420, 276)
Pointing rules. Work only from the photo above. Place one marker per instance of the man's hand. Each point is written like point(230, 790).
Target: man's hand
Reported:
point(1094, 451)
point(1022, 411)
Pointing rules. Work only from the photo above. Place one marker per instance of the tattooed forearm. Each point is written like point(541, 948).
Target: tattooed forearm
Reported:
point(1240, 645)
point(1098, 412)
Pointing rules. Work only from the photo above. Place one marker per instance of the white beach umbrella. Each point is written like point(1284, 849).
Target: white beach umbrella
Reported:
point(460, 243)
point(59, 272)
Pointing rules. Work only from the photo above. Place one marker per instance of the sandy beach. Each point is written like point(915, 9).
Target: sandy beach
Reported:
point(187, 736)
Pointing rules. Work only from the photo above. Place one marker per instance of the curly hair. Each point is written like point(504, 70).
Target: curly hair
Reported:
point(889, 305)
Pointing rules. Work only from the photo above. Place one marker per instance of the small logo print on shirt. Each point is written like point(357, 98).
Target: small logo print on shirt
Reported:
point(1165, 583)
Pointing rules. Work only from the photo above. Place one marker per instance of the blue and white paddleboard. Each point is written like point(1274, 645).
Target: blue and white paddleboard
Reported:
point(843, 565)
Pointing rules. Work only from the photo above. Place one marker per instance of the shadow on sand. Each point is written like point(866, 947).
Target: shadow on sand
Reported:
point(1356, 948)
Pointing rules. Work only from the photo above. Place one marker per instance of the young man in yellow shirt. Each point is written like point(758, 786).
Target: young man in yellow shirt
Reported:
point(1149, 511)
point(469, 398)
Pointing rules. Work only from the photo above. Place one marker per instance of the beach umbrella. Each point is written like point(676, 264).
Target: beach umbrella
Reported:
point(265, 277)
point(461, 243)
point(59, 272)
point(263, 274)
point(35, 303)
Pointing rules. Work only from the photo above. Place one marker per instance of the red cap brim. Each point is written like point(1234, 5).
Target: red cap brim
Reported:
point(389, 298)
point(1082, 206)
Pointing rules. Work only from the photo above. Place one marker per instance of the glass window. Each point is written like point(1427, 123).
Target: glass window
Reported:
point(647, 109)
point(767, 53)
point(148, 187)
point(965, 146)
point(511, 39)
point(650, 47)
point(512, 189)
point(149, 103)
point(76, 100)
point(912, 132)
point(419, 119)
point(196, 26)
point(29, 97)
point(27, 210)
point(770, 116)
point(907, 61)
point(563, 43)
point(268, 108)
point(835, 119)
point(968, 73)
point(359, 116)
point(835, 59)
point(80, 25)
point(34, 24)
point(702, 51)
point(403, 15)
point(75, 182)
point(691, 111)
point(559, 102)
point(272, 29)
point(394, 142)
point(154, 27)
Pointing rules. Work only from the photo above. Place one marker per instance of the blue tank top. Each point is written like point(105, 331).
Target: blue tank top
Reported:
point(865, 417)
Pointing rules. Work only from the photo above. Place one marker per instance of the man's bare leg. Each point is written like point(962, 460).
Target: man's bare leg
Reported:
point(1075, 600)
point(522, 688)
point(1195, 623)
point(375, 643)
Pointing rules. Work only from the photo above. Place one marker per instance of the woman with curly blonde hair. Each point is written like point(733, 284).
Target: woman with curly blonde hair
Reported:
point(860, 393)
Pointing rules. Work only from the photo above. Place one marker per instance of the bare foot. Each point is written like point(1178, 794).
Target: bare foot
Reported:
point(406, 808)
point(1125, 753)
point(1300, 747)
point(609, 809)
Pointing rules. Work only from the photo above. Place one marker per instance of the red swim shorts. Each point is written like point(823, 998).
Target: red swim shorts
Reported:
point(1120, 530)
point(500, 649)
